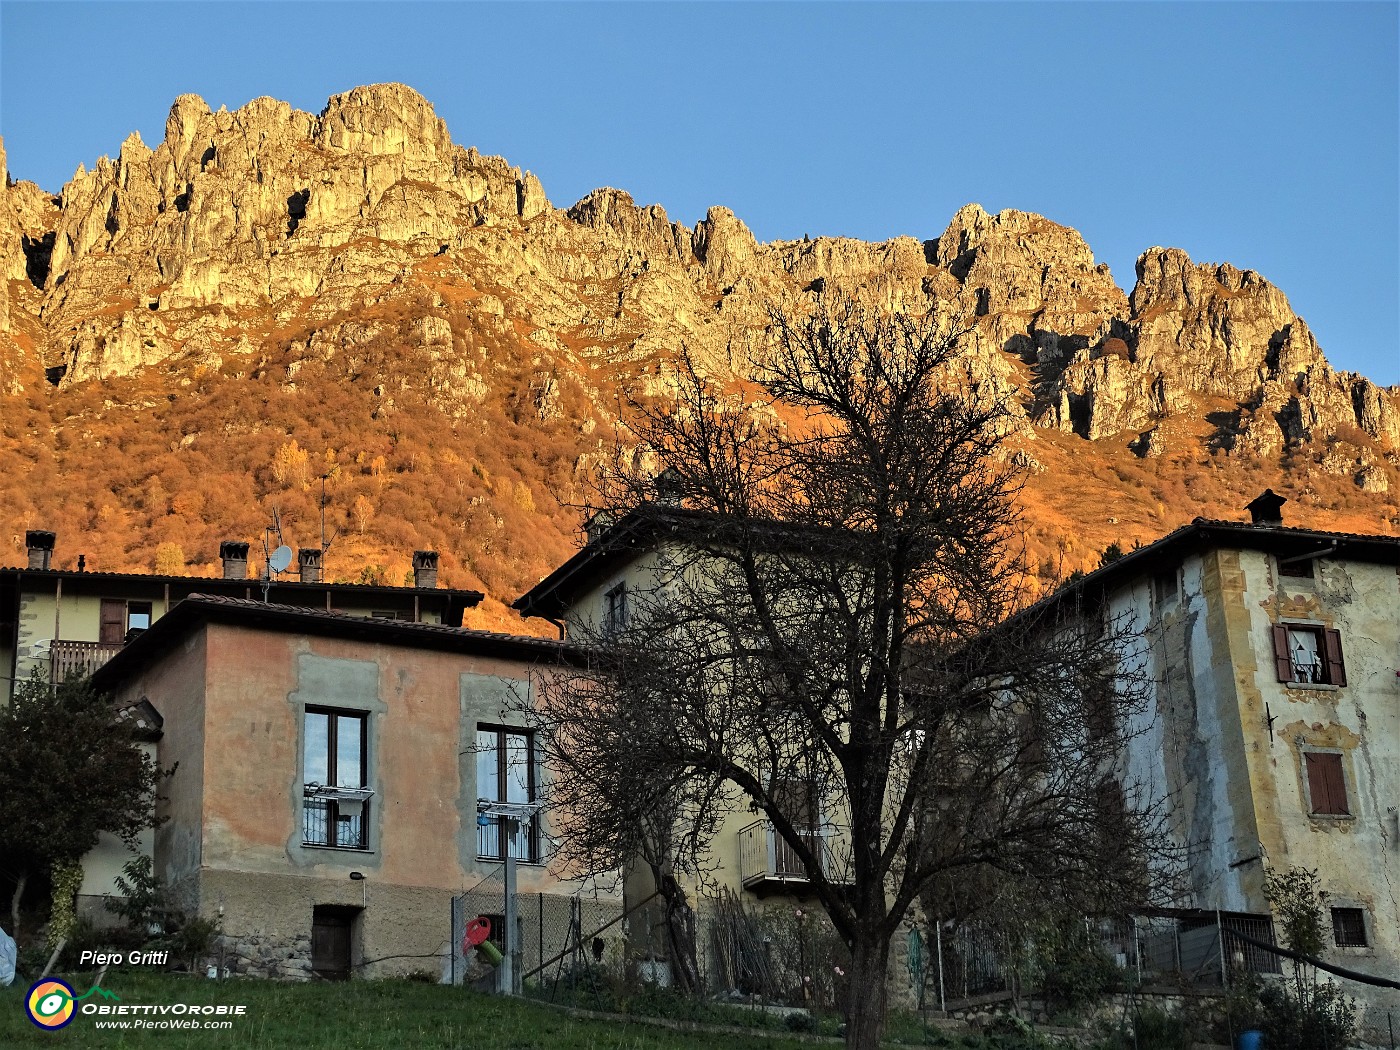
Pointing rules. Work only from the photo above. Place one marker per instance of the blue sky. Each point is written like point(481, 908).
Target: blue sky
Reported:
point(1262, 134)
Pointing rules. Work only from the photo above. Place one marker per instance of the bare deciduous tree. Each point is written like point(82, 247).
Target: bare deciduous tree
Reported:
point(834, 640)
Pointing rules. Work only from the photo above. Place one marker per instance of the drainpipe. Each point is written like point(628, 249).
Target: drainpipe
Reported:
point(1310, 557)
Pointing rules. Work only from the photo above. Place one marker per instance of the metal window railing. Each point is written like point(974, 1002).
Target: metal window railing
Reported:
point(764, 855)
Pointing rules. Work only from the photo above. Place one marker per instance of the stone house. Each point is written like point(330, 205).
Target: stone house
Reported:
point(328, 767)
point(1272, 732)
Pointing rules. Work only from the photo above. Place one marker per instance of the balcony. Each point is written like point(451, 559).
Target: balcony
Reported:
point(80, 658)
point(767, 864)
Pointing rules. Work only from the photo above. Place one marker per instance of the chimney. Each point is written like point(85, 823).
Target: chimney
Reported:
point(40, 547)
point(598, 525)
point(234, 555)
point(1266, 508)
point(425, 566)
point(309, 560)
point(670, 487)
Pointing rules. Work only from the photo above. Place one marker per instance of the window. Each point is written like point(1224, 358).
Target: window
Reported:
point(615, 609)
point(335, 801)
point(1308, 655)
point(1302, 570)
point(1327, 786)
point(505, 772)
point(799, 800)
point(119, 617)
point(1166, 588)
point(1349, 927)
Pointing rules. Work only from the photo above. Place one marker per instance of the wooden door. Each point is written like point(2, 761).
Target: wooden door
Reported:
point(330, 941)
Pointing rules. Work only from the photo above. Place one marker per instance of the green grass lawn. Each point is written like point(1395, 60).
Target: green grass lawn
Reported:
point(394, 1015)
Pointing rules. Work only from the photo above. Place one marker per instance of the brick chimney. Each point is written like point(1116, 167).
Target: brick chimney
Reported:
point(1266, 508)
point(40, 546)
point(425, 568)
point(309, 561)
point(234, 555)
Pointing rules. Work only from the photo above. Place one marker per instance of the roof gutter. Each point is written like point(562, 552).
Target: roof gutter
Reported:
point(1310, 557)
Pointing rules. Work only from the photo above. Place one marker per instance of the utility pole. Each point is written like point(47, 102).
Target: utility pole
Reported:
point(514, 814)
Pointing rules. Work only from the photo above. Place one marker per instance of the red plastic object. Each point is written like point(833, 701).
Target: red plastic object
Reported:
point(478, 930)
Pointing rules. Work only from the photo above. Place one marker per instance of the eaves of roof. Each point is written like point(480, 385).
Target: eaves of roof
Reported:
point(623, 540)
point(640, 530)
point(200, 609)
point(1208, 534)
point(215, 583)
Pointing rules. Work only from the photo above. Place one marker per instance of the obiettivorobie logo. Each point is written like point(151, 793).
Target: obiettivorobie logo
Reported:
point(50, 1002)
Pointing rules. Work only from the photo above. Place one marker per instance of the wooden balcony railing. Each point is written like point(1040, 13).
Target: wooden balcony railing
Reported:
point(80, 658)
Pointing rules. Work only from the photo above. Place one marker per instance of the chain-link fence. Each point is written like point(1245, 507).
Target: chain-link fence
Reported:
point(787, 952)
point(551, 928)
point(969, 963)
point(1199, 948)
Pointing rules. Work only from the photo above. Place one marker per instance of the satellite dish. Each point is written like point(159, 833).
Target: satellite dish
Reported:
point(280, 559)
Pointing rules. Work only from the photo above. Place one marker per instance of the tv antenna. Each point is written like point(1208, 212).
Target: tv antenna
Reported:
point(326, 543)
point(275, 560)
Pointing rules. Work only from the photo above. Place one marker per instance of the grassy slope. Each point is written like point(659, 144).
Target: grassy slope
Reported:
point(362, 1014)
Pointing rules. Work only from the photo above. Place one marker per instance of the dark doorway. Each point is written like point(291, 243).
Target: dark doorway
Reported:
point(331, 928)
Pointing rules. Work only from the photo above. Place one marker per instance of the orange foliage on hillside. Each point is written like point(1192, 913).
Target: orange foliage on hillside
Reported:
point(473, 449)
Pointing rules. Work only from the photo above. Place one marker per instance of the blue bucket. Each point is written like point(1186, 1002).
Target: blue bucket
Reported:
point(1250, 1041)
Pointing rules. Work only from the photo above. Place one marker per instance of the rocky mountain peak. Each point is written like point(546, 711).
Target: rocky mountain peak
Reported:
point(361, 241)
point(382, 118)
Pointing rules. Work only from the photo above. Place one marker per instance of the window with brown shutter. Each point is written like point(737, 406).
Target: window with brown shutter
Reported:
point(1283, 665)
point(1327, 786)
point(113, 630)
point(1336, 670)
point(1308, 654)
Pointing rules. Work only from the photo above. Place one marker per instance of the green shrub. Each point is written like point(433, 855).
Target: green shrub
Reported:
point(1156, 1029)
point(800, 1022)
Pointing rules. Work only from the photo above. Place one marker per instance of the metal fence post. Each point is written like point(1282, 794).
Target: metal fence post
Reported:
point(1137, 949)
point(1220, 944)
point(938, 937)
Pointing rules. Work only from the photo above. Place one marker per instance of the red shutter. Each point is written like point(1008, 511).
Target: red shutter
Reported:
point(1336, 670)
point(1283, 662)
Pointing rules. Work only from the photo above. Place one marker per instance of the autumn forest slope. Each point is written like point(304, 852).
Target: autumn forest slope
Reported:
point(195, 334)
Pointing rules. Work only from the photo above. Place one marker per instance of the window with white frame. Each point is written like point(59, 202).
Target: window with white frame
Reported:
point(335, 782)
